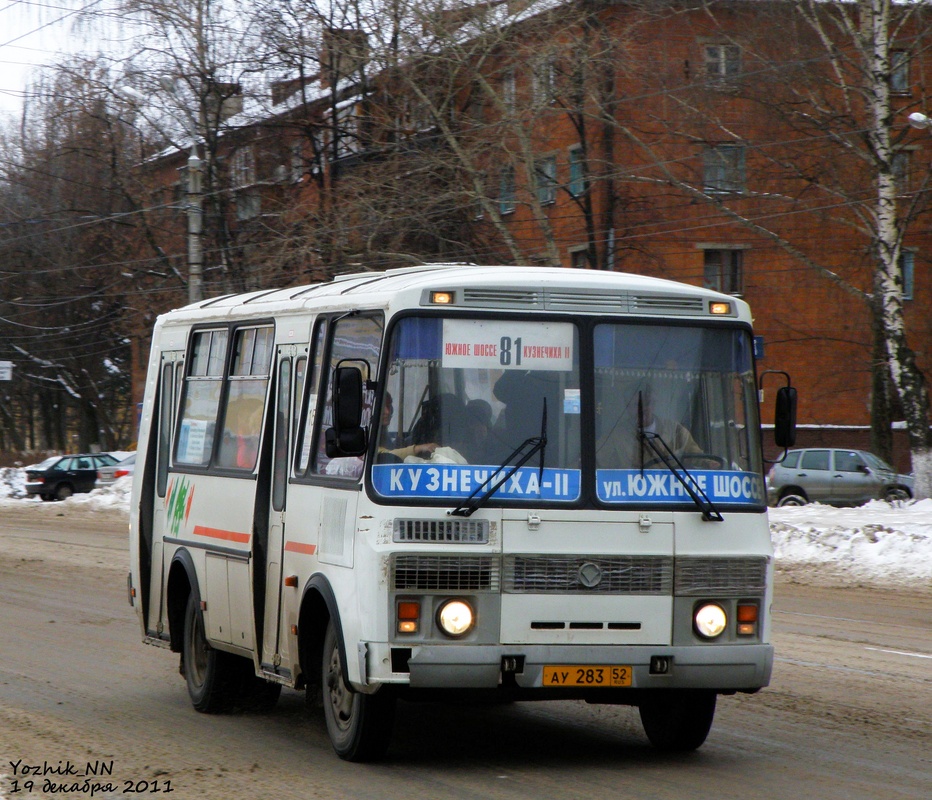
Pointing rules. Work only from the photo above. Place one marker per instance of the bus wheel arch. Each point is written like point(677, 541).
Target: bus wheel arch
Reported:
point(182, 581)
point(318, 606)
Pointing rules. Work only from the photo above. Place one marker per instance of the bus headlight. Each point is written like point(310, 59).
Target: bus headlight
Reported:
point(710, 620)
point(455, 618)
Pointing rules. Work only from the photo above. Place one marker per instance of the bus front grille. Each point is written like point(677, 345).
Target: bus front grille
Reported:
point(542, 574)
point(425, 573)
point(734, 577)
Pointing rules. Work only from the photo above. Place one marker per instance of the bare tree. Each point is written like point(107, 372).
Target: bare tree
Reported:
point(63, 245)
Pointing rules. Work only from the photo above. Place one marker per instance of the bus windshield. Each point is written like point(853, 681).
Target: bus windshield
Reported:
point(461, 395)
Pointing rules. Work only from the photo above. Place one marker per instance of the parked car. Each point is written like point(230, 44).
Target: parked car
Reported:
point(107, 475)
point(59, 477)
point(835, 476)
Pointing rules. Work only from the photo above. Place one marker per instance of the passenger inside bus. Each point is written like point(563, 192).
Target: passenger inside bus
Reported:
point(474, 444)
point(387, 453)
point(620, 446)
point(524, 394)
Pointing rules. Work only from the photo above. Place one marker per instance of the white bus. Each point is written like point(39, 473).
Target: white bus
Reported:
point(432, 482)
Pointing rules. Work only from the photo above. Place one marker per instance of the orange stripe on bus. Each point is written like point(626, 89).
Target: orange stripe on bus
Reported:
point(298, 547)
point(217, 533)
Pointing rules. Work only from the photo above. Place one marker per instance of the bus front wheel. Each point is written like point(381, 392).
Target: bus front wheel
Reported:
point(678, 720)
point(359, 725)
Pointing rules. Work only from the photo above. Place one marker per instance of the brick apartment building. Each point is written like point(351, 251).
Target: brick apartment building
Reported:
point(720, 144)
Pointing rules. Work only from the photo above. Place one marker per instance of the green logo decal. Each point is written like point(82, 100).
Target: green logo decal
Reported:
point(178, 504)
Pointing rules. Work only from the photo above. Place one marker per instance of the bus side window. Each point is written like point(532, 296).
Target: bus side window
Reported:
point(202, 389)
point(245, 400)
point(282, 429)
point(306, 433)
point(359, 341)
point(167, 398)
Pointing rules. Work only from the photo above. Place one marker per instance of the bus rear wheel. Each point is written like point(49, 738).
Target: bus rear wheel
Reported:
point(678, 721)
point(213, 677)
point(359, 725)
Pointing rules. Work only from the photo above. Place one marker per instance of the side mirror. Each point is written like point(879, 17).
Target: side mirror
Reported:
point(347, 437)
point(784, 428)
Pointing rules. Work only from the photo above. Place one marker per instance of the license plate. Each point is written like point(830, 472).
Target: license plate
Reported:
point(587, 675)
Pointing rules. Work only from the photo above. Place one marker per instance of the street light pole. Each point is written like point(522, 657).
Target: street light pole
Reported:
point(194, 196)
point(195, 211)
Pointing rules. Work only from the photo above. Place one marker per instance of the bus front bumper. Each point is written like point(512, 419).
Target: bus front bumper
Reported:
point(723, 667)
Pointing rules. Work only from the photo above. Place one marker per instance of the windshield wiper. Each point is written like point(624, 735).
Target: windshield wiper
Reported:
point(533, 445)
point(666, 455)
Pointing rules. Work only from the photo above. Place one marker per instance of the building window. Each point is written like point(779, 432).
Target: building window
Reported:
point(899, 71)
point(243, 168)
point(908, 271)
point(543, 81)
point(545, 180)
point(899, 166)
point(506, 190)
point(577, 184)
point(579, 258)
point(723, 168)
point(722, 62)
point(297, 162)
point(723, 270)
point(248, 205)
point(508, 89)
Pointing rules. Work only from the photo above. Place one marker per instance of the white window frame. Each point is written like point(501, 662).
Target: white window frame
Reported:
point(722, 61)
point(507, 190)
point(729, 271)
point(723, 169)
point(545, 180)
point(899, 72)
point(577, 177)
point(509, 91)
point(543, 80)
point(243, 167)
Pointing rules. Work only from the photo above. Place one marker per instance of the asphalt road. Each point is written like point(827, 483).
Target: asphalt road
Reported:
point(848, 714)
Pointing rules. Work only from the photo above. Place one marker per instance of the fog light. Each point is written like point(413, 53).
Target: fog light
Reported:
point(710, 620)
point(455, 618)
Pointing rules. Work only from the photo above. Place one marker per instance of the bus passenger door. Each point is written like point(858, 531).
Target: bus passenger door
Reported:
point(272, 641)
point(170, 386)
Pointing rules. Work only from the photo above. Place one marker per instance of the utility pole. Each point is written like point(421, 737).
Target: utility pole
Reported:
point(194, 190)
point(195, 211)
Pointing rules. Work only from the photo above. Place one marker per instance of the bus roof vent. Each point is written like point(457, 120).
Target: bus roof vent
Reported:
point(441, 531)
point(503, 298)
point(666, 304)
point(587, 301)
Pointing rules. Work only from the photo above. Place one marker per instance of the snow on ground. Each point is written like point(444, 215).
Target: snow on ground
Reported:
point(877, 544)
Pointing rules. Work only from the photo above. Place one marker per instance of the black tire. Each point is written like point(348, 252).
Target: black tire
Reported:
point(792, 499)
point(214, 678)
point(359, 725)
point(257, 694)
point(63, 491)
point(677, 721)
point(895, 493)
point(47, 498)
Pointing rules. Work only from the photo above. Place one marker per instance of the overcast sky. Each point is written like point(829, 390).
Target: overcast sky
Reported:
point(33, 32)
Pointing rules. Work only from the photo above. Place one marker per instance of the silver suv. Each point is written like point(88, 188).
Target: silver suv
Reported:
point(836, 477)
